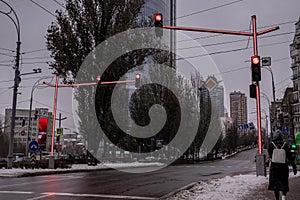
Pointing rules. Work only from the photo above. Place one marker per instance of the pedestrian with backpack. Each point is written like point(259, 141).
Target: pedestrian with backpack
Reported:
point(281, 158)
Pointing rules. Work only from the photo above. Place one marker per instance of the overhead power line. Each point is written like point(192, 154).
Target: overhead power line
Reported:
point(33, 51)
point(60, 4)
point(234, 41)
point(5, 49)
point(232, 50)
point(209, 9)
point(43, 8)
point(63, 111)
point(218, 35)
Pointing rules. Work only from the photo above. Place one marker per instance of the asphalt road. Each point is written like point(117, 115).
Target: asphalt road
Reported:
point(113, 184)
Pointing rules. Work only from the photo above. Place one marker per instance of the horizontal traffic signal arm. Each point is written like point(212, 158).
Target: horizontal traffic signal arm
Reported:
point(89, 84)
point(220, 31)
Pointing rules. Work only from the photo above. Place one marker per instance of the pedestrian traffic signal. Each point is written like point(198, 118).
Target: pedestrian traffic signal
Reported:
point(137, 80)
point(158, 23)
point(293, 148)
point(255, 68)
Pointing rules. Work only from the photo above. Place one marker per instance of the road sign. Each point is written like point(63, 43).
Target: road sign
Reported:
point(159, 143)
point(266, 61)
point(285, 129)
point(32, 158)
point(33, 146)
point(59, 131)
point(290, 138)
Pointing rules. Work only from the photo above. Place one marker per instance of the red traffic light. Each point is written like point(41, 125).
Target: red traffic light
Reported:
point(137, 80)
point(157, 17)
point(255, 60)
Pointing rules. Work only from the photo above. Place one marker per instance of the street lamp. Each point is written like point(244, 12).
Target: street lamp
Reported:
point(270, 114)
point(273, 85)
point(274, 98)
point(17, 81)
point(35, 85)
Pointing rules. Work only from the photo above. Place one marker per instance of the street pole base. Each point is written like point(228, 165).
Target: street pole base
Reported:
point(261, 165)
point(51, 162)
point(9, 162)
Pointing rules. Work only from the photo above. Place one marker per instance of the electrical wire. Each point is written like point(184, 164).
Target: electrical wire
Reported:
point(5, 49)
point(38, 62)
point(235, 41)
point(60, 4)
point(26, 79)
point(5, 54)
point(36, 58)
point(209, 9)
point(43, 8)
point(63, 111)
point(33, 51)
point(232, 50)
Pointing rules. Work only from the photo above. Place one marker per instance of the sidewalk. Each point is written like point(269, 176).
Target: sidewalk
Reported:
point(262, 192)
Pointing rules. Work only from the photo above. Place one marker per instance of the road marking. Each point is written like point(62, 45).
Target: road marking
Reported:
point(40, 197)
point(38, 182)
point(15, 192)
point(98, 195)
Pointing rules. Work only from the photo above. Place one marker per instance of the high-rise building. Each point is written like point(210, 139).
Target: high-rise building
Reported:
point(295, 56)
point(216, 92)
point(238, 107)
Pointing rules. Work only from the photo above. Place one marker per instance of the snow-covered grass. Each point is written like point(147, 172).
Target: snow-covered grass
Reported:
point(76, 167)
point(226, 188)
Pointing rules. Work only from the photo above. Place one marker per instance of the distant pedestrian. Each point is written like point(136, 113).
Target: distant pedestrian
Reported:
point(281, 158)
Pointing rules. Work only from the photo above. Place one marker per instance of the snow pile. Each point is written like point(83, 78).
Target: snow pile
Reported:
point(226, 188)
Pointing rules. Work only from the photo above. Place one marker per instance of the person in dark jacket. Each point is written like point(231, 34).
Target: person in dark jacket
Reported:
point(279, 172)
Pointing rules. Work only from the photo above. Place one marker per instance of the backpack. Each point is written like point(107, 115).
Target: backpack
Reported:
point(278, 155)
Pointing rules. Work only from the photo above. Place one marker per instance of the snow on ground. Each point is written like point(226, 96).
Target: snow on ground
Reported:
point(18, 171)
point(227, 188)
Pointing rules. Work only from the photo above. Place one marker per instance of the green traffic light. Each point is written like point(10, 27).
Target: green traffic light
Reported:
point(294, 146)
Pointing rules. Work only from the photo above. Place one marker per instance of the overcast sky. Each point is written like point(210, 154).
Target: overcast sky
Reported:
point(234, 66)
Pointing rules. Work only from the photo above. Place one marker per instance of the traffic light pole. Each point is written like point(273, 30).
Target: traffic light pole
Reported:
point(51, 159)
point(260, 157)
point(56, 85)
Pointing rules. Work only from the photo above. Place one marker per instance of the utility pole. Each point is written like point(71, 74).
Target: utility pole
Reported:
point(17, 81)
point(56, 86)
point(59, 126)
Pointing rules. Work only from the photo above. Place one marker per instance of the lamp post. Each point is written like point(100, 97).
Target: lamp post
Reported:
point(270, 114)
point(274, 100)
point(266, 134)
point(17, 81)
point(35, 85)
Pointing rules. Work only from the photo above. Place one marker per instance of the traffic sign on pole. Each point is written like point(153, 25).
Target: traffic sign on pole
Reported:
point(266, 61)
point(34, 146)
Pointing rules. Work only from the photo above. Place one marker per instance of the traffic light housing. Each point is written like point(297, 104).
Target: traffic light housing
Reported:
point(293, 147)
point(158, 23)
point(137, 80)
point(252, 91)
point(255, 68)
